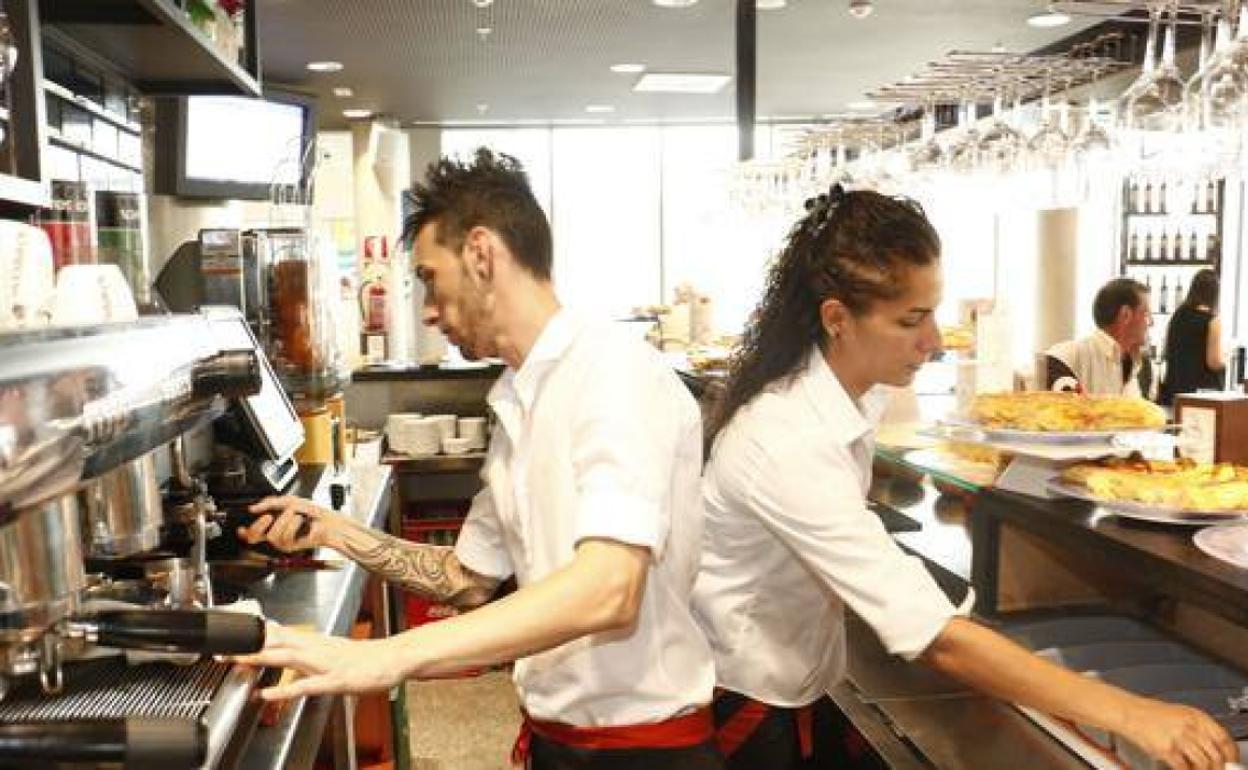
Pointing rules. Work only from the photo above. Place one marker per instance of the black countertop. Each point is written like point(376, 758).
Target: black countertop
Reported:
point(391, 373)
point(326, 601)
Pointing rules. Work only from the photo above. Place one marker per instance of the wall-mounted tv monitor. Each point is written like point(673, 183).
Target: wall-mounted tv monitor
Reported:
point(233, 146)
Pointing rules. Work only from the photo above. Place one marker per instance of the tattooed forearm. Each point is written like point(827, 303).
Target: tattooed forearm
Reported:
point(430, 570)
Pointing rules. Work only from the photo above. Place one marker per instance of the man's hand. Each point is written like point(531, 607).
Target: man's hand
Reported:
point(327, 663)
point(1183, 737)
point(294, 524)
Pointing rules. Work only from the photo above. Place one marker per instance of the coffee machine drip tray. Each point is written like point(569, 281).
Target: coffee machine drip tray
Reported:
point(108, 688)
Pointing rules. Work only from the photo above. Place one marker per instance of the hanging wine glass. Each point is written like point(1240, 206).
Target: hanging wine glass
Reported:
point(928, 154)
point(1149, 65)
point(1093, 137)
point(1000, 144)
point(1047, 148)
point(963, 153)
point(1158, 105)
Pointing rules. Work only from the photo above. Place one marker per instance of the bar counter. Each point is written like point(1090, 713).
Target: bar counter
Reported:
point(326, 601)
point(915, 717)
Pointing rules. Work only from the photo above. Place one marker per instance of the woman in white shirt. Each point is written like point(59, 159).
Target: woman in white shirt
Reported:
point(849, 307)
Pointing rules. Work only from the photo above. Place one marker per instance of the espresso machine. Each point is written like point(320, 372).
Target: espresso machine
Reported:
point(104, 534)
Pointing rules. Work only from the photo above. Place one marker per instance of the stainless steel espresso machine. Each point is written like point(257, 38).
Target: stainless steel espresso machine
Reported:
point(104, 534)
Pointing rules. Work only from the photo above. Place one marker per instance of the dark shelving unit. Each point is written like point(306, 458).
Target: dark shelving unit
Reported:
point(154, 45)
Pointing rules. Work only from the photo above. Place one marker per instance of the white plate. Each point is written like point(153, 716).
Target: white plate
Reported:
point(1010, 435)
point(1145, 512)
point(1227, 543)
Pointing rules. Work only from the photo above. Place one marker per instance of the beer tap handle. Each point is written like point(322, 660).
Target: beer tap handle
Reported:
point(134, 742)
point(206, 632)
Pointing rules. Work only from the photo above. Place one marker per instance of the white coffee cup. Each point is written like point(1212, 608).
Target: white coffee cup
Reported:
point(456, 445)
point(26, 276)
point(395, 419)
point(87, 294)
point(473, 429)
point(419, 437)
point(446, 425)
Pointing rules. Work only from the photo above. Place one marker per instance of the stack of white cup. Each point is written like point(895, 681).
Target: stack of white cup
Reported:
point(413, 434)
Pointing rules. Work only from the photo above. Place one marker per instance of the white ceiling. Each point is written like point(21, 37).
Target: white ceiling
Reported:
point(422, 61)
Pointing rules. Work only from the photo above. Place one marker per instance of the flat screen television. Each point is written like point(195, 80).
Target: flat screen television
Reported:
point(233, 146)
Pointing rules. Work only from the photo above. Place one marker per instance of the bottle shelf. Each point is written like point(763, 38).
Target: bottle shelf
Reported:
point(1170, 263)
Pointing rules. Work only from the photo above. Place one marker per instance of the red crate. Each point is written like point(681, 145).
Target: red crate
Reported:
point(420, 611)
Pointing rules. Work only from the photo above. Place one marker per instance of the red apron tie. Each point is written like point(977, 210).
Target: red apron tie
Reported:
point(680, 732)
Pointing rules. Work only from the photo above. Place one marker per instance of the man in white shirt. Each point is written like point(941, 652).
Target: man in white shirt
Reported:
point(1109, 361)
point(591, 502)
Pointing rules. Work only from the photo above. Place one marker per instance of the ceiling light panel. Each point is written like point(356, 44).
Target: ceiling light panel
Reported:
point(681, 83)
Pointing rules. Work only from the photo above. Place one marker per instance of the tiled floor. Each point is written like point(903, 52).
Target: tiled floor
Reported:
point(463, 724)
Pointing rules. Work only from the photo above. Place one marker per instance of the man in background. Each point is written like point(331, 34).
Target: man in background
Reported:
point(1110, 360)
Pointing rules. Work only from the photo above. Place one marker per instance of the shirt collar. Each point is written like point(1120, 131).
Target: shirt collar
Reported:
point(844, 419)
point(552, 343)
point(1106, 345)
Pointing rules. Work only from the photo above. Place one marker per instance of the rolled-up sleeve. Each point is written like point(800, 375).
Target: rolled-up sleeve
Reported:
point(480, 546)
point(810, 498)
point(625, 452)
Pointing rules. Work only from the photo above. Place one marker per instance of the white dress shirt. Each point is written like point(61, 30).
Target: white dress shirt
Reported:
point(1096, 361)
point(598, 438)
point(789, 541)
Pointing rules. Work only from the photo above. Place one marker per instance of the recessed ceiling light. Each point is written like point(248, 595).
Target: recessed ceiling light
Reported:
point(325, 66)
point(674, 3)
point(770, 5)
point(860, 9)
point(482, 108)
point(483, 3)
point(342, 92)
point(681, 83)
point(864, 104)
point(628, 69)
point(484, 31)
point(357, 114)
point(600, 109)
point(1047, 19)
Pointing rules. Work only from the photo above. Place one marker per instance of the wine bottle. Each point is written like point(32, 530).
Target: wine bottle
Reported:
point(1161, 297)
point(1148, 247)
point(1163, 247)
point(1159, 198)
point(1178, 294)
point(1133, 251)
point(1180, 250)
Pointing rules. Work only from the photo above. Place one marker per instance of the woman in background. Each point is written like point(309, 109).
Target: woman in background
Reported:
point(789, 541)
point(1194, 359)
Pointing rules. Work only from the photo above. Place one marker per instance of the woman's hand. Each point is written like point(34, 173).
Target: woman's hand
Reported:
point(329, 664)
point(1183, 737)
point(293, 524)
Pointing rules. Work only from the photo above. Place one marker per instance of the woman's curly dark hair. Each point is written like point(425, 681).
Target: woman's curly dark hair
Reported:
point(852, 246)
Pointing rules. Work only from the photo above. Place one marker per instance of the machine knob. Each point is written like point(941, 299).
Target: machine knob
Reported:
point(230, 373)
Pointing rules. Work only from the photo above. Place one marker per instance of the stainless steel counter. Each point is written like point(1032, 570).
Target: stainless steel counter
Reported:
point(327, 601)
